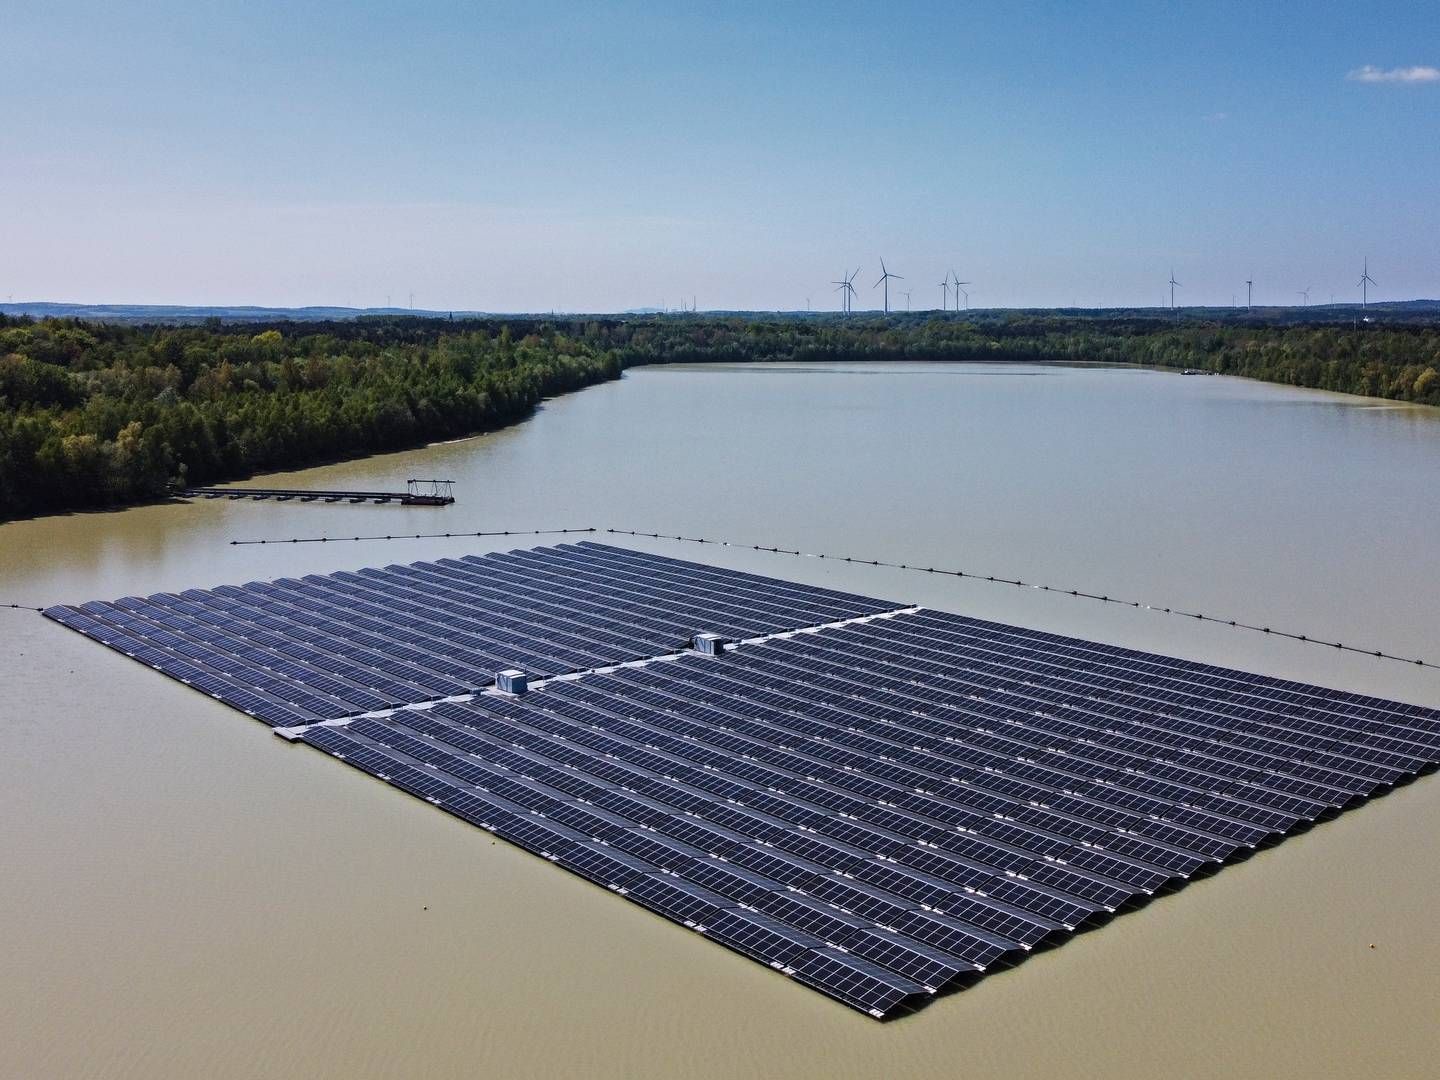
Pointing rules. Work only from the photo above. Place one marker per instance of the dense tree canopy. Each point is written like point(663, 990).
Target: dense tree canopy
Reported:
point(98, 414)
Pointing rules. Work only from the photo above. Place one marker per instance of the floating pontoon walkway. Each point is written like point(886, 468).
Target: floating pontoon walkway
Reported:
point(877, 800)
point(420, 493)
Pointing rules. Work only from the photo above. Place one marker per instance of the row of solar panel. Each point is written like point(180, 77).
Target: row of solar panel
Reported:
point(971, 773)
point(722, 577)
point(886, 762)
point(1161, 674)
point(738, 799)
point(870, 966)
point(943, 761)
point(643, 571)
point(566, 600)
point(292, 652)
point(778, 779)
point(987, 670)
point(1266, 691)
point(789, 811)
point(1329, 774)
point(1406, 730)
point(315, 673)
point(277, 702)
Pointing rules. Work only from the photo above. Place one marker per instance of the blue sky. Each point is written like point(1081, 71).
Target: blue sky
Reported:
point(604, 156)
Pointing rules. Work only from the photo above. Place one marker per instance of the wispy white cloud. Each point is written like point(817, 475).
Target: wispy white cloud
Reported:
point(1372, 74)
point(1217, 117)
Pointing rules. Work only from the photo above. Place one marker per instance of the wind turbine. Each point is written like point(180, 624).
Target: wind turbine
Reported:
point(885, 277)
point(1173, 285)
point(846, 289)
point(958, 290)
point(906, 293)
point(945, 295)
point(1248, 284)
point(967, 295)
point(1305, 293)
point(1365, 281)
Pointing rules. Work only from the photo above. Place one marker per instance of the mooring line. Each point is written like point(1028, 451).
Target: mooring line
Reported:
point(21, 607)
point(1082, 594)
point(414, 536)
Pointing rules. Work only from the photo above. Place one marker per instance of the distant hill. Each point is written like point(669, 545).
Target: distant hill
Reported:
point(181, 313)
point(1394, 311)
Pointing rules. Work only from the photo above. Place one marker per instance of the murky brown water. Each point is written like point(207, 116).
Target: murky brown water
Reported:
point(184, 895)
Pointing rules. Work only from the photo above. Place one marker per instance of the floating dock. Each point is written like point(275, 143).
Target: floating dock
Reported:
point(417, 493)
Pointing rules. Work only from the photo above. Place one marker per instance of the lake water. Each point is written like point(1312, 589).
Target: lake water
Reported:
point(185, 895)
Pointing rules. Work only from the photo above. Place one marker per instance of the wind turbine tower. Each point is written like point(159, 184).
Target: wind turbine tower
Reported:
point(959, 290)
point(1173, 286)
point(885, 277)
point(1249, 283)
point(1365, 282)
point(906, 293)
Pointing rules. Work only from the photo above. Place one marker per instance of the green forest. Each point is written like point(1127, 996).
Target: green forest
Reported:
point(95, 415)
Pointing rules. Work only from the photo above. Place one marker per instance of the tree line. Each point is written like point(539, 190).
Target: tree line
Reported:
point(95, 414)
point(101, 415)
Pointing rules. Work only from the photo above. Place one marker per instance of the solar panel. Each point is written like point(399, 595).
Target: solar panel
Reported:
point(879, 809)
point(856, 981)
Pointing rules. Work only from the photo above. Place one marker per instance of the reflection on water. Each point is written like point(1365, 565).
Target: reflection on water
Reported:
point(185, 895)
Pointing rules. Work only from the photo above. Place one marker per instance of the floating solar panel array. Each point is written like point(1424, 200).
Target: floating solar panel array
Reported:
point(880, 805)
